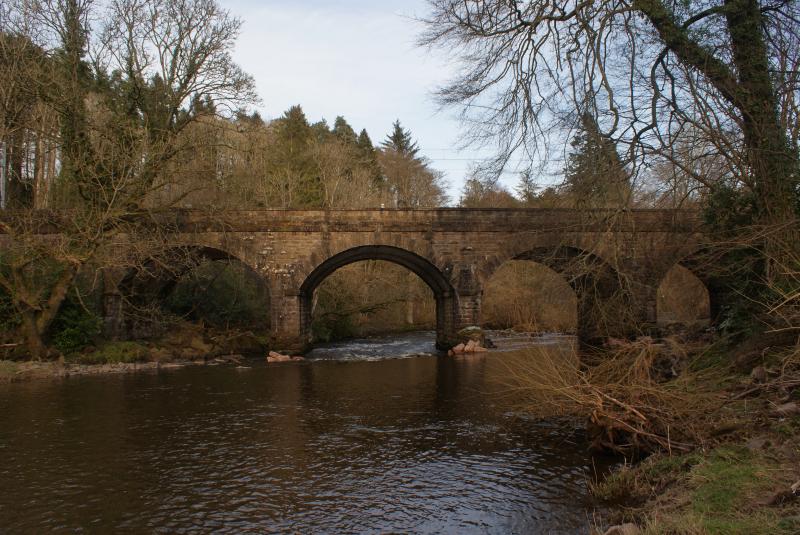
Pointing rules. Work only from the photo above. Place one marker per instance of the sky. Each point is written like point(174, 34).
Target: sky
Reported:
point(358, 59)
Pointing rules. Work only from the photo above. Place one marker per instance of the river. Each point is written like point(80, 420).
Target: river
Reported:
point(370, 436)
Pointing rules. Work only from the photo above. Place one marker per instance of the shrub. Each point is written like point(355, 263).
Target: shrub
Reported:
point(74, 327)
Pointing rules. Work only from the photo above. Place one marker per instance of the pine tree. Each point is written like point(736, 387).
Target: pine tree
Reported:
point(321, 130)
point(400, 140)
point(365, 143)
point(291, 163)
point(595, 176)
point(343, 130)
point(369, 156)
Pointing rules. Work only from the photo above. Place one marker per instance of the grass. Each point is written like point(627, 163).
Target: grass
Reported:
point(113, 353)
point(725, 484)
point(8, 369)
point(723, 492)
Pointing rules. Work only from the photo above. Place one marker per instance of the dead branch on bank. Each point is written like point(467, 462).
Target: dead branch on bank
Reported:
point(629, 406)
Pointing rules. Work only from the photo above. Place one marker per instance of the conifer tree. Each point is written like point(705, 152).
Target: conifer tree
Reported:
point(595, 176)
point(369, 156)
point(292, 165)
point(400, 141)
point(343, 130)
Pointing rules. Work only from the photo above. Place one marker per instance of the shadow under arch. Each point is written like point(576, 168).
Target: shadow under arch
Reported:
point(163, 270)
point(156, 277)
point(603, 303)
point(443, 292)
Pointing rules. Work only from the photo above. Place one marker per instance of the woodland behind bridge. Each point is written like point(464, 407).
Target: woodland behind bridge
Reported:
point(109, 123)
point(109, 111)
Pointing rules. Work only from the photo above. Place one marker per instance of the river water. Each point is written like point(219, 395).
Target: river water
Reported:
point(365, 437)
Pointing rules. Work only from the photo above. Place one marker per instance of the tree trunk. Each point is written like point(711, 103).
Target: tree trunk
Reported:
point(773, 166)
point(37, 320)
point(33, 337)
point(19, 190)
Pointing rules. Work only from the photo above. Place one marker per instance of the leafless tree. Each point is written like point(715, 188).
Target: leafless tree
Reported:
point(160, 66)
point(657, 71)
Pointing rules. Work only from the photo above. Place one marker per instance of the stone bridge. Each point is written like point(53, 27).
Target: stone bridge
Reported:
point(603, 255)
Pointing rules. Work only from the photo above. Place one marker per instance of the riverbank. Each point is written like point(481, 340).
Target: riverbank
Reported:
point(185, 344)
point(12, 371)
point(742, 474)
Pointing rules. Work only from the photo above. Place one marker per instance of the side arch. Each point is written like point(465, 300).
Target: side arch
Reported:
point(683, 298)
point(165, 268)
point(605, 304)
point(705, 262)
point(154, 278)
point(443, 291)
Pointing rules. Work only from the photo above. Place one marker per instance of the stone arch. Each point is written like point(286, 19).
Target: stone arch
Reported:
point(678, 269)
point(443, 291)
point(157, 276)
point(529, 295)
point(703, 263)
point(595, 283)
point(169, 266)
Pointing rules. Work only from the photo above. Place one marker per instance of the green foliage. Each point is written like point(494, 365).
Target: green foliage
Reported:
point(595, 176)
point(223, 295)
point(333, 327)
point(292, 163)
point(114, 353)
point(343, 131)
point(9, 319)
point(74, 328)
point(400, 141)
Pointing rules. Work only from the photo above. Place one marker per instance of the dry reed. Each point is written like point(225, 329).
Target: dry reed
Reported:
point(629, 405)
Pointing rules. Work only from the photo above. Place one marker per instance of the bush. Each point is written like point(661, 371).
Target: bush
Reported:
point(222, 294)
point(74, 327)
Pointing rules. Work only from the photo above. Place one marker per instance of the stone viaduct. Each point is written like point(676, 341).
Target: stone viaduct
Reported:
point(601, 254)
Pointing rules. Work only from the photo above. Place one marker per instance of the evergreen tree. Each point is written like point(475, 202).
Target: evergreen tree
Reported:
point(595, 176)
point(410, 180)
point(343, 131)
point(321, 130)
point(526, 188)
point(400, 141)
point(364, 142)
point(369, 156)
point(291, 162)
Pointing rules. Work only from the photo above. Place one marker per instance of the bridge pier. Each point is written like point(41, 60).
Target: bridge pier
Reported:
point(291, 322)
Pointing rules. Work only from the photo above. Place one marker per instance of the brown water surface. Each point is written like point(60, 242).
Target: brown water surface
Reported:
point(352, 441)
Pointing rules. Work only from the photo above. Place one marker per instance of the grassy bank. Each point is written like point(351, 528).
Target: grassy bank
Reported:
point(740, 473)
point(185, 343)
point(740, 487)
point(715, 428)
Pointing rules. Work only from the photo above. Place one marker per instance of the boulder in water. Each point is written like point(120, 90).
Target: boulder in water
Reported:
point(274, 356)
point(472, 333)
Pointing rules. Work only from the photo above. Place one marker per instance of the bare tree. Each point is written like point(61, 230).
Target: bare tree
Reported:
point(160, 66)
point(727, 70)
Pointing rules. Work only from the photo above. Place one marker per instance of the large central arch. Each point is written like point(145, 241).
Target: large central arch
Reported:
point(443, 292)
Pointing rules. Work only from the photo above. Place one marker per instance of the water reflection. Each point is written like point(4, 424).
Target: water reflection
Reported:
point(420, 445)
